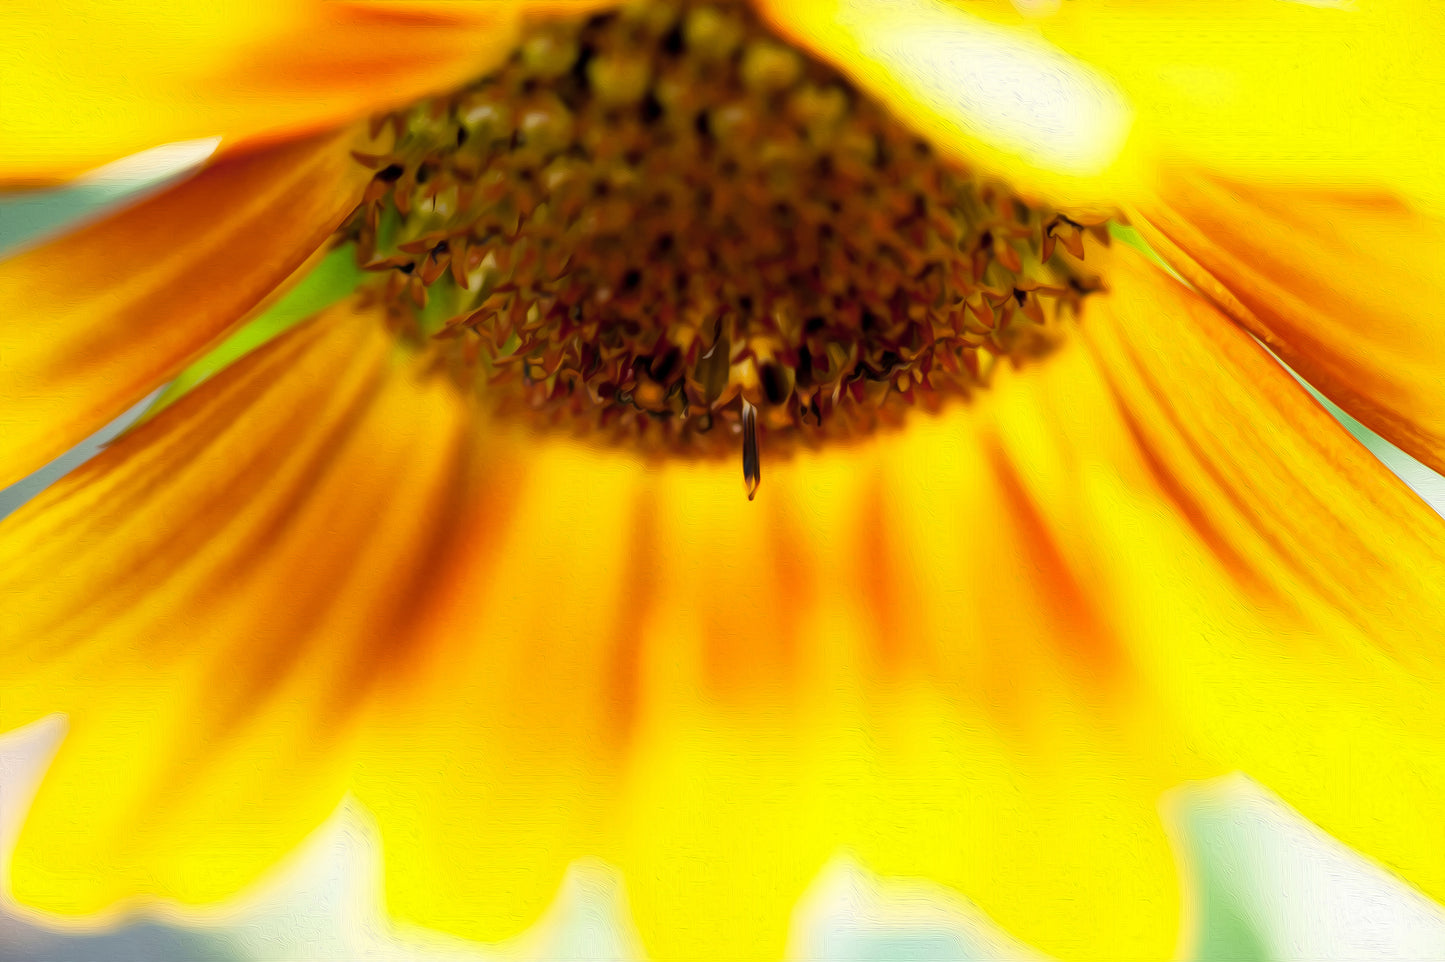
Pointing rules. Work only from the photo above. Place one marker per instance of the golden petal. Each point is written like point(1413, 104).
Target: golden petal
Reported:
point(975, 650)
point(1000, 98)
point(93, 321)
point(87, 81)
point(1348, 288)
point(1339, 93)
point(276, 525)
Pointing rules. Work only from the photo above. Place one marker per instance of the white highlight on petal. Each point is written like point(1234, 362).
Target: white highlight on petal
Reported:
point(1008, 89)
point(32, 217)
point(1261, 880)
point(1037, 8)
point(154, 165)
point(25, 753)
point(1255, 866)
point(850, 913)
point(323, 903)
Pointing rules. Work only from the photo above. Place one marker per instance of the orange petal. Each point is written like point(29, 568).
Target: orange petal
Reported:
point(87, 81)
point(93, 321)
point(275, 525)
point(1347, 288)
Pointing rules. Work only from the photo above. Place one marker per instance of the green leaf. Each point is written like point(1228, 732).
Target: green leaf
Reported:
point(333, 278)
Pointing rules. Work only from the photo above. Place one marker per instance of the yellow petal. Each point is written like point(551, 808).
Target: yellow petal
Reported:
point(1348, 288)
point(91, 322)
point(975, 651)
point(1002, 100)
point(1287, 91)
point(87, 81)
point(276, 525)
point(1079, 101)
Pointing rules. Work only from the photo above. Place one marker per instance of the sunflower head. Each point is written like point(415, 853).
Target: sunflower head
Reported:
point(657, 225)
point(371, 556)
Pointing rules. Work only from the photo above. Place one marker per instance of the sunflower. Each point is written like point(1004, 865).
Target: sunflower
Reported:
point(1043, 530)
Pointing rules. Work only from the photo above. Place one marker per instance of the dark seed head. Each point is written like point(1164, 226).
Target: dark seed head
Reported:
point(649, 221)
point(774, 382)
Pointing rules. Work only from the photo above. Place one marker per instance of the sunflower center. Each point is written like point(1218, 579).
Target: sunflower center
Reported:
point(666, 227)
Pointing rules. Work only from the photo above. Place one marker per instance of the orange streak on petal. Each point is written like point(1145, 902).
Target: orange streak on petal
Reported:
point(499, 742)
point(885, 601)
point(791, 569)
point(626, 645)
point(1285, 486)
point(1181, 487)
point(91, 322)
point(1067, 605)
point(212, 599)
point(1346, 287)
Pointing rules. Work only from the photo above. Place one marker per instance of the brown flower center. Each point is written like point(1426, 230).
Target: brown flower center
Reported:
point(666, 227)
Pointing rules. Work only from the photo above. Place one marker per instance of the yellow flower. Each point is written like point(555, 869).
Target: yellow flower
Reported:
point(973, 649)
